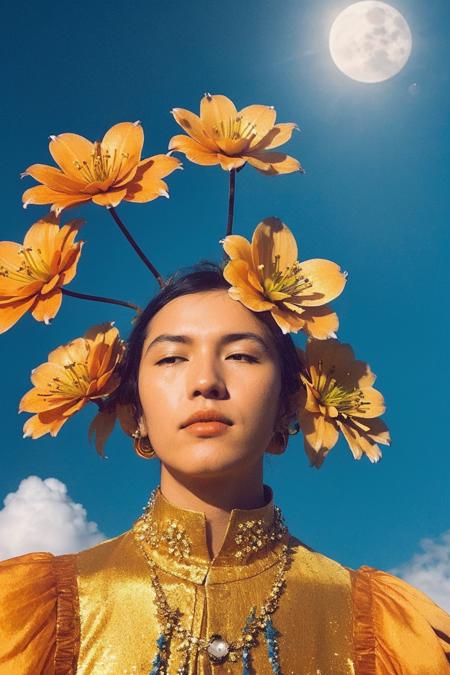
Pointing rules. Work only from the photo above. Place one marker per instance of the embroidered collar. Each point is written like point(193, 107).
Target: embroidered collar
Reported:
point(175, 537)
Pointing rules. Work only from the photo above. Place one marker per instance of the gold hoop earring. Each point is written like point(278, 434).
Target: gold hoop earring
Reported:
point(142, 446)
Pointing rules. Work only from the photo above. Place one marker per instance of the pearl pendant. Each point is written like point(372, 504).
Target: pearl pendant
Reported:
point(218, 649)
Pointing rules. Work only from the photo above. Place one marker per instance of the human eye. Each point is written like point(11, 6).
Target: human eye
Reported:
point(168, 359)
point(246, 357)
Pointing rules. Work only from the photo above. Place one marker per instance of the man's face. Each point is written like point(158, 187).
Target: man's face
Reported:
point(237, 376)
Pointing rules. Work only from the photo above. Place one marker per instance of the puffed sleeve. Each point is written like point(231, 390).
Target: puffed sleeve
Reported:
point(39, 626)
point(397, 629)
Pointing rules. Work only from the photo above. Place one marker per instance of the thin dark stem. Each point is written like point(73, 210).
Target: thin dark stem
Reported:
point(231, 201)
point(137, 248)
point(99, 298)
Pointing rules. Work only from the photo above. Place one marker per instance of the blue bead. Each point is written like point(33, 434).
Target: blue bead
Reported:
point(245, 661)
point(161, 641)
point(271, 634)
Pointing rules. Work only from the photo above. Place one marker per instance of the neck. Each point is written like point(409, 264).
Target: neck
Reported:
point(215, 497)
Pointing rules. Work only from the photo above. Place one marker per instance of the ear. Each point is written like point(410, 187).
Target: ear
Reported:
point(142, 426)
point(287, 413)
point(276, 446)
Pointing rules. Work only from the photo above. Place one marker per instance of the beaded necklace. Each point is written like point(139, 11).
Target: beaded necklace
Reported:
point(216, 646)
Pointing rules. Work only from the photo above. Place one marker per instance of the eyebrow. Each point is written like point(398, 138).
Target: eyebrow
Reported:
point(226, 339)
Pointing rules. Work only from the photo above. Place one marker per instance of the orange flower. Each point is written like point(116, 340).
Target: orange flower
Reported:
point(81, 371)
point(339, 397)
point(31, 274)
point(103, 423)
point(222, 135)
point(105, 172)
point(266, 276)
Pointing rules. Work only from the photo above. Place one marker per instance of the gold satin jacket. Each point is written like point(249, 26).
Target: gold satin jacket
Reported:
point(94, 612)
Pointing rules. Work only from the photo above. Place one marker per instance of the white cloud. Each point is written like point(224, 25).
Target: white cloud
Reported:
point(41, 516)
point(429, 570)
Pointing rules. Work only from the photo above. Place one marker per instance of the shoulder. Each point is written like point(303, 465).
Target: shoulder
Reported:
point(38, 606)
point(107, 558)
point(396, 627)
point(317, 568)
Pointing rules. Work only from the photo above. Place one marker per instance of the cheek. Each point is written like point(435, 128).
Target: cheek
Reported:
point(157, 394)
point(258, 392)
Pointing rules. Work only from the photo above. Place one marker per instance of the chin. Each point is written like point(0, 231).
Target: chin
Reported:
point(206, 459)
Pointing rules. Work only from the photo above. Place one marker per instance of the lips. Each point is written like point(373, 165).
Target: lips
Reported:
point(206, 416)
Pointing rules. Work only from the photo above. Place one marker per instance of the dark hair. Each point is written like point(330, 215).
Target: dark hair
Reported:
point(203, 276)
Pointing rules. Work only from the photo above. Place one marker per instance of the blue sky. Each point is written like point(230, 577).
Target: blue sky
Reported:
point(374, 199)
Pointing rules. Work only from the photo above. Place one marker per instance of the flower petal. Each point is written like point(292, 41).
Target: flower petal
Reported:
point(147, 183)
point(111, 198)
point(35, 427)
point(69, 265)
point(358, 444)
point(75, 406)
point(216, 112)
point(320, 322)
point(377, 430)
point(37, 401)
point(250, 299)
point(272, 238)
point(42, 235)
point(158, 166)
point(319, 436)
point(47, 422)
point(236, 246)
point(288, 321)
point(47, 306)
point(126, 417)
point(272, 163)
point(47, 375)
point(327, 282)
point(106, 384)
point(228, 163)
point(70, 201)
point(331, 353)
point(9, 252)
point(50, 285)
point(373, 405)
point(260, 117)
point(139, 194)
point(41, 194)
point(279, 134)
point(10, 290)
point(351, 373)
point(101, 429)
point(192, 125)
point(239, 275)
point(194, 151)
point(70, 151)
point(124, 143)
point(54, 178)
point(11, 313)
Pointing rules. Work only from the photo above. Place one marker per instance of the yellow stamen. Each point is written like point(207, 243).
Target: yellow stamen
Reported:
point(33, 267)
point(332, 394)
point(101, 165)
point(290, 280)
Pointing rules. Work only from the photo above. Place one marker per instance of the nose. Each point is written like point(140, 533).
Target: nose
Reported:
point(206, 378)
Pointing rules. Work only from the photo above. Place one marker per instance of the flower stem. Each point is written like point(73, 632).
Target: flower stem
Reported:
point(99, 298)
point(137, 248)
point(231, 201)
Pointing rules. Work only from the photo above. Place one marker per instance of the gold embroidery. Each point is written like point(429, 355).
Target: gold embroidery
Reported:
point(173, 538)
point(178, 542)
point(254, 535)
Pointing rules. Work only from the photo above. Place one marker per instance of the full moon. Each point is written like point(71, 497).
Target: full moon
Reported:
point(370, 41)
